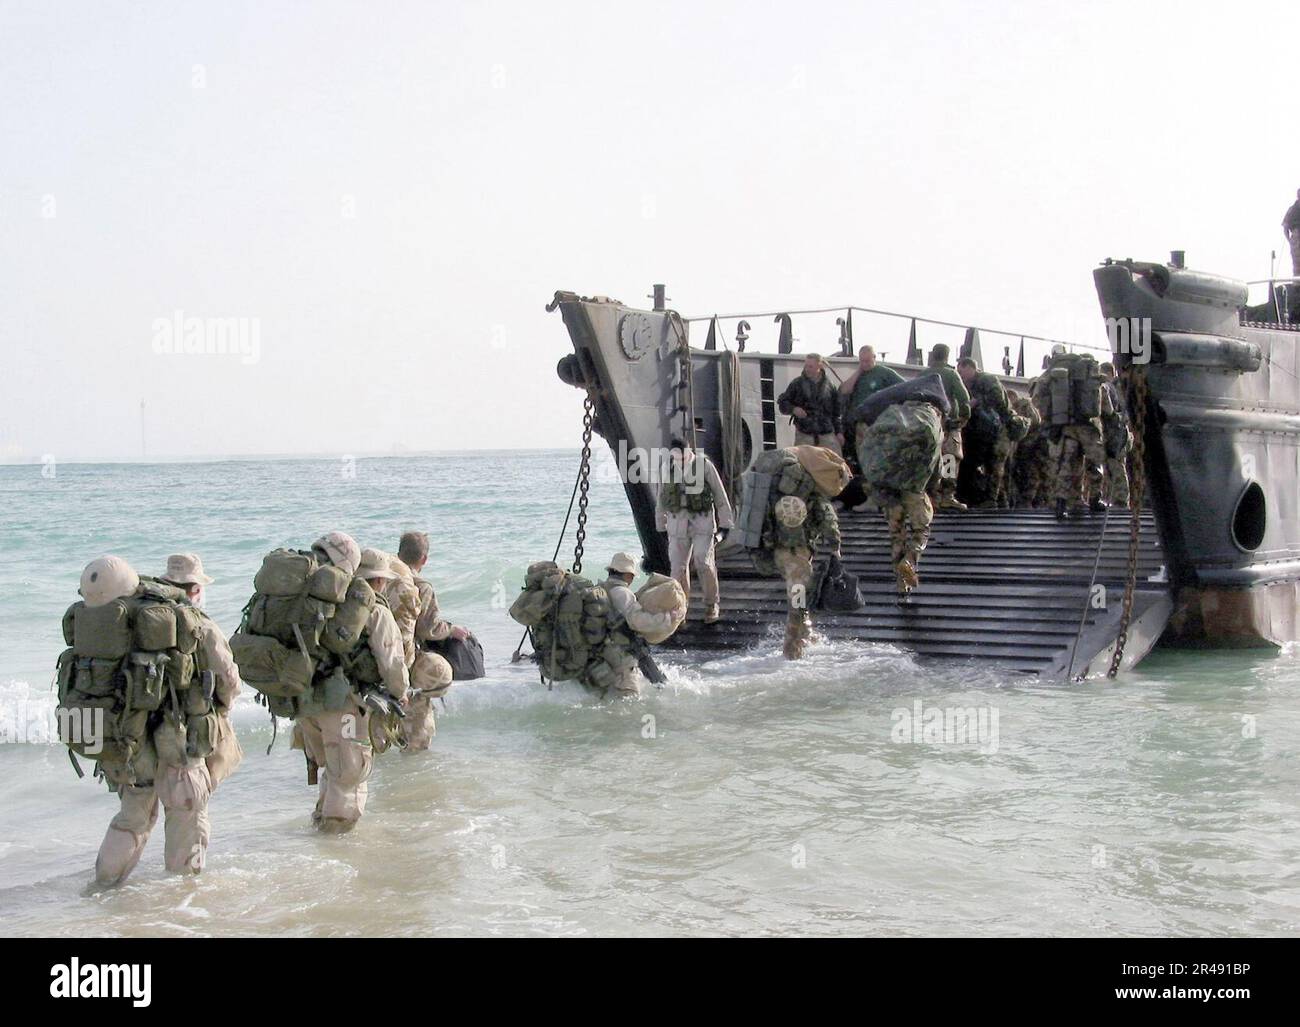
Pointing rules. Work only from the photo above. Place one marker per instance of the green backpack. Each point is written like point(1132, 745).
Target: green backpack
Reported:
point(131, 666)
point(303, 616)
point(1073, 393)
point(568, 617)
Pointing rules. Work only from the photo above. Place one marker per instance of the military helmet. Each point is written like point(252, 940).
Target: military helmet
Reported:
point(791, 511)
point(106, 579)
point(341, 549)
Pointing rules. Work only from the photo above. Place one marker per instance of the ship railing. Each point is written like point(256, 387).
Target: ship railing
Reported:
point(1279, 289)
point(970, 346)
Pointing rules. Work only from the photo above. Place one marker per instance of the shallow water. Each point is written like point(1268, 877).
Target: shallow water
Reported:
point(749, 796)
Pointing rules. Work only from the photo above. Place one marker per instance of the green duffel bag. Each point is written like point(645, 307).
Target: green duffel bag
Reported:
point(271, 668)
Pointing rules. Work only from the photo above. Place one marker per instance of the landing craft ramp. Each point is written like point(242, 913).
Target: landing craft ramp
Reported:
point(1004, 587)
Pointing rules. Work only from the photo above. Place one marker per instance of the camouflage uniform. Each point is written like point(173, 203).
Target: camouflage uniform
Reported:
point(1034, 467)
point(430, 672)
point(183, 789)
point(945, 492)
point(1115, 437)
point(1116, 480)
point(1023, 453)
point(900, 455)
point(791, 552)
point(618, 652)
point(987, 393)
point(334, 730)
point(1079, 464)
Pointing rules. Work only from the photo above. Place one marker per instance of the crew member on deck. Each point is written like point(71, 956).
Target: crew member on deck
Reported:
point(814, 405)
point(1291, 229)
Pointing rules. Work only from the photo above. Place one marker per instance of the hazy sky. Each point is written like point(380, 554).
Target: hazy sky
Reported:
point(395, 190)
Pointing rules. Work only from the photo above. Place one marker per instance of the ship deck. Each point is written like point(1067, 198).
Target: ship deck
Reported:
point(1005, 587)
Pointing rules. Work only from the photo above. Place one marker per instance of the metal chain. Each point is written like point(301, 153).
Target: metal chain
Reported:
point(584, 482)
point(1135, 380)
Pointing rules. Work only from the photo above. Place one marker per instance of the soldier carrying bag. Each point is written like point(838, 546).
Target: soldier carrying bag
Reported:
point(465, 656)
point(840, 595)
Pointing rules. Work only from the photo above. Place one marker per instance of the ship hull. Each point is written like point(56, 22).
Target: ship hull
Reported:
point(1234, 618)
point(1222, 446)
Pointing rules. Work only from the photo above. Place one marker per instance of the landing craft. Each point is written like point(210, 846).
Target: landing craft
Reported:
point(1212, 559)
point(1222, 440)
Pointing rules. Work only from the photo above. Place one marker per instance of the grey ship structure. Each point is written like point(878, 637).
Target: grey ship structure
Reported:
point(1217, 554)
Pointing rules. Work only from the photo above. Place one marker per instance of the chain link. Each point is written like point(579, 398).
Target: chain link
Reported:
point(584, 482)
point(1136, 394)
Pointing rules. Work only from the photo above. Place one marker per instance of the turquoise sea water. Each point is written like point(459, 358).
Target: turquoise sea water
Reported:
point(749, 796)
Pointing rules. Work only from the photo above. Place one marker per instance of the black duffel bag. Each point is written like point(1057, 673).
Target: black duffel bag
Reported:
point(840, 595)
point(925, 387)
point(465, 656)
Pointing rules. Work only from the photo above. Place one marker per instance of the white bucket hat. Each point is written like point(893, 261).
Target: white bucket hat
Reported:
point(185, 569)
point(106, 579)
point(374, 564)
point(621, 563)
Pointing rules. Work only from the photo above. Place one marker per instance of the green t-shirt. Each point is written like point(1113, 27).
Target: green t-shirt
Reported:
point(879, 377)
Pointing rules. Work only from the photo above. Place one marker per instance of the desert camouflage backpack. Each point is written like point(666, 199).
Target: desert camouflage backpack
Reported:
point(134, 665)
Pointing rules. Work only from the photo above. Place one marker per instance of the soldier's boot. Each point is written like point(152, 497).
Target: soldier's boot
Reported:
point(1097, 505)
point(797, 630)
point(712, 615)
point(950, 502)
point(1062, 512)
point(906, 578)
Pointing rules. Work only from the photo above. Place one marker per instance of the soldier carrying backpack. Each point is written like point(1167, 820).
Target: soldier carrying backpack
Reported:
point(1117, 438)
point(1073, 402)
point(144, 690)
point(785, 514)
point(321, 647)
point(596, 634)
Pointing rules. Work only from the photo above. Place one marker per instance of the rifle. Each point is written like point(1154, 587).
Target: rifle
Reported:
point(378, 701)
point(645, 661)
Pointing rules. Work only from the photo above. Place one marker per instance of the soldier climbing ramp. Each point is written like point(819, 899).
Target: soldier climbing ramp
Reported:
point(1014, 588)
